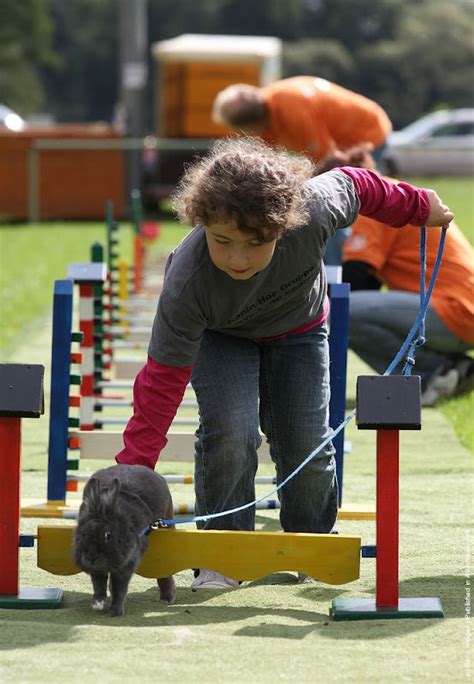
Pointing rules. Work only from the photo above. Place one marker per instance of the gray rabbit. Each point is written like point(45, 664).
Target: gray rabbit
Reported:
point(118, 505)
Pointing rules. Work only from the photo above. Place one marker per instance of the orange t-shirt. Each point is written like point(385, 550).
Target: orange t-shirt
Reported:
point(394, 253)
point(313, 116)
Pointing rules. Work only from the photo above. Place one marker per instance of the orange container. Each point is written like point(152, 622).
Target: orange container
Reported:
point(71, 183)
point(193, 68)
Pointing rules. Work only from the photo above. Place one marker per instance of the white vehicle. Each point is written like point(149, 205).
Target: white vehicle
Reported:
point(10, 119)
point(441, 143)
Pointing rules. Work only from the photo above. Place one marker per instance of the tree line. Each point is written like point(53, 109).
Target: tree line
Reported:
point(411, 56)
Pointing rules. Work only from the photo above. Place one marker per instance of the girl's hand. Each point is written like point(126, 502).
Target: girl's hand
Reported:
point(440, 214)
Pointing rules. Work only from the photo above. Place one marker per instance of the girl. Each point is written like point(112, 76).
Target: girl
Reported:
point(243, 315)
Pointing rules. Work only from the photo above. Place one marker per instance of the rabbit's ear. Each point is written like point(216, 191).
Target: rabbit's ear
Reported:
point(110, 497)
point(92, 496)
point(115, 488)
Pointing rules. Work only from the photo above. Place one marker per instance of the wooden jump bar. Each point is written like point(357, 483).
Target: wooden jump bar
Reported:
point(102, 444)
point(329, 558)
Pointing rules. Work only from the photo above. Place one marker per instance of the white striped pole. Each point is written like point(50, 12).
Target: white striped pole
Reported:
point(86, 326)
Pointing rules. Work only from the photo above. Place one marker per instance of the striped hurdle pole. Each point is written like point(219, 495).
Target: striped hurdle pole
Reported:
point(87, 276)
point(112, 251)
point(112, 240)
point(102, 348)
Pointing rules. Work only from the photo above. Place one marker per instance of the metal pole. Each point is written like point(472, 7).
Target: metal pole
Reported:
point(33, 199)
point(133, 42)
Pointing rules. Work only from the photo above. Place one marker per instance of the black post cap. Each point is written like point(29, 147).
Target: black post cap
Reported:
point(388, 402)
point(21, 390)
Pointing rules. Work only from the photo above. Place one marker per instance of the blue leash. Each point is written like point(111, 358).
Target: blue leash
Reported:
point(420, 340)
point(425, 300)
point(418, 326)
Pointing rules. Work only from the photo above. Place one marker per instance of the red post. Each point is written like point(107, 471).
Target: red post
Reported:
point(386, 587)
point(10, 466)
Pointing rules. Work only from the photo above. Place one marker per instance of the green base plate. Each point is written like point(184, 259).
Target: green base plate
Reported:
point(366, 609)
point(32, 598)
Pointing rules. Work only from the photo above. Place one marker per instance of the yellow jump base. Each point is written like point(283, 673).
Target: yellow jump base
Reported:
point(36, 508)
point(247, 556)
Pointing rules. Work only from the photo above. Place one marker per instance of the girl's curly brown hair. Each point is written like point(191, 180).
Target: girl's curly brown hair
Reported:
point(261, 188)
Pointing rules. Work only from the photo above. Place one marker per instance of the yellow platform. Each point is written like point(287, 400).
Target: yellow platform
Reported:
point(329, 558)
point(35, 508)
point(356, 512)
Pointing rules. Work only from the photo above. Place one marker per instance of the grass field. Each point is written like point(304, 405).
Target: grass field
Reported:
point(458, 193)
point(33, 256)
point(272, 629)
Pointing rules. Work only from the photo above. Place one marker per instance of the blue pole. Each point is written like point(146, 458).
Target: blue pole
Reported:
point(59, 400)
point(338, 344)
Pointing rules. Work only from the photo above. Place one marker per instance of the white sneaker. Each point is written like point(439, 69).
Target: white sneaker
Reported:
point(209, 579)
point(454, 381)
point(443, 386)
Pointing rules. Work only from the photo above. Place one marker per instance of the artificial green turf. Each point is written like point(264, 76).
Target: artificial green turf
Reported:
point(273, 628)
point(460, 412)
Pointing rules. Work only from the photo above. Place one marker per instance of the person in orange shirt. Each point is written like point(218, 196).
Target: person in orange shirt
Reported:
point(375, 255)
point(307, 115)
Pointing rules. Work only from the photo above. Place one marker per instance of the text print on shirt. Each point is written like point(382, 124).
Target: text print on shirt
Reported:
point(289, 287)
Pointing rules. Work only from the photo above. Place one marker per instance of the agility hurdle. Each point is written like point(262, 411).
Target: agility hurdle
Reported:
point(21, 396)
point(387, 404)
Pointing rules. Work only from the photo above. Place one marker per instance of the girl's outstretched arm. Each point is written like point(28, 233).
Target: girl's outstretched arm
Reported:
point(396, 204)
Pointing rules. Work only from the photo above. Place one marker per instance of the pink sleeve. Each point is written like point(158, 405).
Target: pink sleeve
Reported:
point(157, 394)
point(394, 204)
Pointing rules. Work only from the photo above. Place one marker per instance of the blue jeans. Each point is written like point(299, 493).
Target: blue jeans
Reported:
point(283, 386)
point(379, 323)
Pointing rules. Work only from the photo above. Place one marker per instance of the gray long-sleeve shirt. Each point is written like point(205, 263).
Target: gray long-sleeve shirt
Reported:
point(287, 294)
